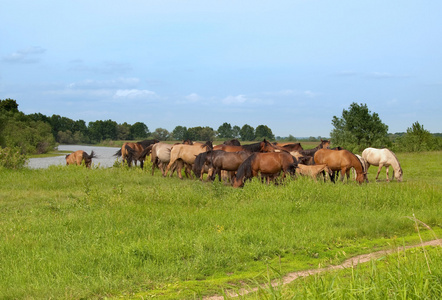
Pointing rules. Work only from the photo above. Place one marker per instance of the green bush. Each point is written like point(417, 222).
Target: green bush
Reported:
point(12, 158)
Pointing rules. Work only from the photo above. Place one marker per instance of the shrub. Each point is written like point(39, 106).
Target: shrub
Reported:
point(12, 158)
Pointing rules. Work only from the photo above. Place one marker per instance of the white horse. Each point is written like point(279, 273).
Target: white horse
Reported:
point(383, 158)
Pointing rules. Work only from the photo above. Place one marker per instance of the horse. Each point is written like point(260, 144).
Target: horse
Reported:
point(343, 161)
point(233, 142)
point(383, 158)
point(138, 147)
point(218, 160)
point(312, 170)
point(263, 146)
point(77, 158)
point(187, 153)
point(289, 146)
point(268, 164)
point(325, 144)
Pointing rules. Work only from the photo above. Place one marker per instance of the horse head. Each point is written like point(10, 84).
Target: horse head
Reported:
point(325, 144)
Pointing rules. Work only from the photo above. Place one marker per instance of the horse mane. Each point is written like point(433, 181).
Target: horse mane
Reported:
point(245, 169)
point(399, 164)
point(146, 143)
point(233, 142)
point(208, 145)
point(255, 147)
point(199, 163)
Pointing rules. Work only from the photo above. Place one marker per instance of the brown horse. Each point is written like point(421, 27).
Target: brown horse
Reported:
point(343, 161)
point(289, 146)
point(269, 164)
point(325, 144)
point(78, 157)
point(263, 146)
point(136, 155)
point(186, 153)
point(218, 160)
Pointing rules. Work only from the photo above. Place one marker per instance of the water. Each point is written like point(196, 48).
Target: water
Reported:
point(105, 157)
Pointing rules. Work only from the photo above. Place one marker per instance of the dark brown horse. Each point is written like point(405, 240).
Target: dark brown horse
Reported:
point(78, 157)
point(218, 160)
point(263, 146)
point(233, 142)
point(269, 164)
point(343, 161)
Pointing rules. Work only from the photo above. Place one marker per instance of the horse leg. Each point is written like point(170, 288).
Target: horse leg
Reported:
point(379, 170)
point(388, 176)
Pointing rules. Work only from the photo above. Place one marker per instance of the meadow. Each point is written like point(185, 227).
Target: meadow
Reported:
point(71, 233)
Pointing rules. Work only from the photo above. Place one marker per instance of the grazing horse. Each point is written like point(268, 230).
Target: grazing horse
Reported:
point(268, 164)
point(342, 161)
point(289, 146)
point(263, 146)
point(312, 171)
point(77, 158)
point(218, 160)
point(186, 153)
point(383, 158)
point(138, 148)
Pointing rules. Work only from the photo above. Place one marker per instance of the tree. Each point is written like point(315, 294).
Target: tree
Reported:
point(201, 133)
point(102, 130)
point(161, 134)
point(236, 132)
point(247, 133)
point(179, 133)
point(123, 131)
point(139, 130)
point(418, 139)
point(358, 129)
point(264, 132)
point(9, 105)
point(225, 131)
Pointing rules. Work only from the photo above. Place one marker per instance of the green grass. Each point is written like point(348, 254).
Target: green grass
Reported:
point(70, 232)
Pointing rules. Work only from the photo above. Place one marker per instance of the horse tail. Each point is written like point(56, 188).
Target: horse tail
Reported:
point(118, 153)
point(93, 155)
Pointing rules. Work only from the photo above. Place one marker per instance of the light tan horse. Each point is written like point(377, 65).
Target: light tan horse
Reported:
point(312, 171)
point(383, 158)
point(342, 161)
point(186, 153)
point(78, 157)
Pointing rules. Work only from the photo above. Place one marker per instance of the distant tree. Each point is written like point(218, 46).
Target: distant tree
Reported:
point(418, 139)
point(179, 133)
point(139, 130)
point(161, 134)
point(201, 133)
point(247, 133)
point(102, 130)
point(225, 131)
point(123, 131)
point(358, 129)
point(9, 105)
point(236, 132)
point(264, 132)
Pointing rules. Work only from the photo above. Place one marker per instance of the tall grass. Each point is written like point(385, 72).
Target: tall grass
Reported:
point(70, 232)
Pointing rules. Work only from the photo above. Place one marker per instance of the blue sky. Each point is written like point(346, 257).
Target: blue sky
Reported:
point(290, 65)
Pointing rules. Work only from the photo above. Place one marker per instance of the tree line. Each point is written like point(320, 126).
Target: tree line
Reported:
point(356, 129)
point(38, 133)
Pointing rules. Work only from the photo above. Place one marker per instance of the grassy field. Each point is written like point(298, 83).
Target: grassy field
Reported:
point(71, 233)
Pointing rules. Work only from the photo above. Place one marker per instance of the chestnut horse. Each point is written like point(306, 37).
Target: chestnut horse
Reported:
point(186, 153)
point(325, 144)
point(138, 148)
point(268, 164)
point(383, 158)
point(78, 157)
point(343, 161)
point(263, 146)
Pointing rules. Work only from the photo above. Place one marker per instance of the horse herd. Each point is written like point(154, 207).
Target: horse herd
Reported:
point(236, 163)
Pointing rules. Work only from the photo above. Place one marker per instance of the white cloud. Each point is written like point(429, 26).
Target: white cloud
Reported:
point(194, 97)
point(133, 93)
point(25, 56)
point(113, 83)
point(234, 99)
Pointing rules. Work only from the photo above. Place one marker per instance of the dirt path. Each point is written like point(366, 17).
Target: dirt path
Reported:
point(346, 264)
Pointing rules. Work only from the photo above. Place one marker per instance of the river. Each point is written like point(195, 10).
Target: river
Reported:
point(105, 156)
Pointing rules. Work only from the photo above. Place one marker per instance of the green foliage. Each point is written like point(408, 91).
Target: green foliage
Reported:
point(161, 134)
point(247, 133)
point(201, 133)
point(418, 139)
point(12, 158)
point(225, 131)
point(358, 129)
point(180, 133)
point(264, 132)
point(102, 130)
point(9, 105)
point(139, 131)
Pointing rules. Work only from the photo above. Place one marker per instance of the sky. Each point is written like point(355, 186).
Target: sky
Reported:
point(290, 65)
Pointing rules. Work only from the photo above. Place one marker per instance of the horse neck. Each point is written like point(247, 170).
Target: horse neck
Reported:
point(395, 163)
point(357, 164)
